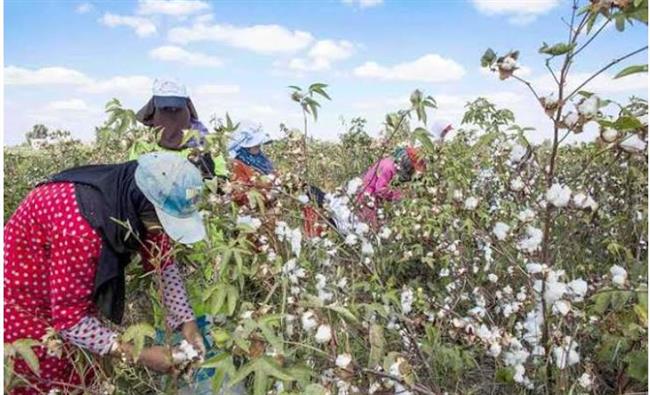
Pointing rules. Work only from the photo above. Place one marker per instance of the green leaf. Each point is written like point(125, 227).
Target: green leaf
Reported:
point(601, 302)
point(137, 334)
point(422, 135)
point(233, 296)
point(294, 87)
point(343, 312)
point(557, 49)
point(627, 123)
point(620, 22)
point(217, 299)
point(315, 389)
point(639, 68)
point(619, 299)
point(638, 365)
point(488, 58)
point(23, 348)
point(505, 375)
point(215, 361)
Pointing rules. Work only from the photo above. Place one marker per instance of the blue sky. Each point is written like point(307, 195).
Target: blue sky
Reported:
point(64, 59)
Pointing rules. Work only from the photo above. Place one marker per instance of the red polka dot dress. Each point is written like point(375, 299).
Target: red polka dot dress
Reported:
point(50, 259)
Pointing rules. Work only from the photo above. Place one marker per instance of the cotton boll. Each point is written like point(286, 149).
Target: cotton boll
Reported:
point(558, 195)
point(609, 135)
point(366, 248)
point(533, 241)
point(343, 360)
point(554, 291)
point(566, 355)
point(493, 278)
point(561, 307)
point(589, 107)
point(323, 334)
point(633, 144)
point(517, 184)
point(385, 233)
point(308, 320)
point(501, 230)
point(578, 288)
point(495, 349)
point(619, 275)
point(585, 381)
point(353, 186)
point(582, 201)
point(526, 215)
point(406, 299)
point(303, 199)
point(351, 239)
point(571, 119)
point(471, 203)
point(517, 153)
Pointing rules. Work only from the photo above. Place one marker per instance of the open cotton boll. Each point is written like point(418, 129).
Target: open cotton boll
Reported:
point(247, 220)
point(582, 201)
point(567, 354)
point(558, 195)
point(571, 119)
point(471, 203)
point(303, 199)
point(351, 239)
point(517, 184)
point(501, 230)
point(366, 248)
point(589, 106)
point(406, 300)
point(517, 153)
point(609, 135)
point(343, 360)
point(578, 288)
point(585, 381)
point(323, 334)
point(353, 186)
point(561, 307)
point(533, 241)
point(534, 268)
point(619, 275)
point(633, 144)
point(458, 195)
point(526, 215)
point(308, 320)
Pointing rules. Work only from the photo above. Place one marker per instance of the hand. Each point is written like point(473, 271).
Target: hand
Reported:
point(157, 358)
point(191, 333)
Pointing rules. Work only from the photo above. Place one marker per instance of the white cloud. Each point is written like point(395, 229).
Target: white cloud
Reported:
point(322, 55)
point(209, 90)
point(428, 68)
point(84, 8)
point(67, 105)
point(603, 84)
point(137, 85)
point(258, 38)
point(171, 7)
point(44, 76)
point(170, 53)
point(363, 3)
point(143, 27)
point(520, 12)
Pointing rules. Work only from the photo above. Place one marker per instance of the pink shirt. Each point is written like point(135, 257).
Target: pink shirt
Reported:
point(376, 181)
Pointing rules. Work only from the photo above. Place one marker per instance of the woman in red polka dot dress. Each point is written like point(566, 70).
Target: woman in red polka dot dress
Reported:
point(64, 260)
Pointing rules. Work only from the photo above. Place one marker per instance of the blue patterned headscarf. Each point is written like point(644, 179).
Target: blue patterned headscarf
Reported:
point(259, 162)
point(251, 136)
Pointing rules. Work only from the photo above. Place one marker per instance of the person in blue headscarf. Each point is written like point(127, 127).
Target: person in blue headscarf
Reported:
point(250, 165)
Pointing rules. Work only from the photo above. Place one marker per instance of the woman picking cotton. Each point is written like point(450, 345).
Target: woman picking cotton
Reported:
point(378, 183)
point(66, 249)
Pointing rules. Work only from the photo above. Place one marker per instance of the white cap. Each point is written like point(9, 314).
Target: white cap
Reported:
point(169, 87)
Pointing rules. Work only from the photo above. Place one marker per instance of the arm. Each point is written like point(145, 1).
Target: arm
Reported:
point(158, 252)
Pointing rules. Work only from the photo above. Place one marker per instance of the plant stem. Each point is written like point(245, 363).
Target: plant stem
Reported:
point(605, 68)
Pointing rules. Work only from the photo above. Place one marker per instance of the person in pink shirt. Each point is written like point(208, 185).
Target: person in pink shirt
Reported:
point(376, 186)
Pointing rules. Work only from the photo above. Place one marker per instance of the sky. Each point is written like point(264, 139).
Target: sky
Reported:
point(64, 60)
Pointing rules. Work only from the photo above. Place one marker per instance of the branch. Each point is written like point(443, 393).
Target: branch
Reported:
point(590, 39)
point(605, 68)
point(528, 84)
